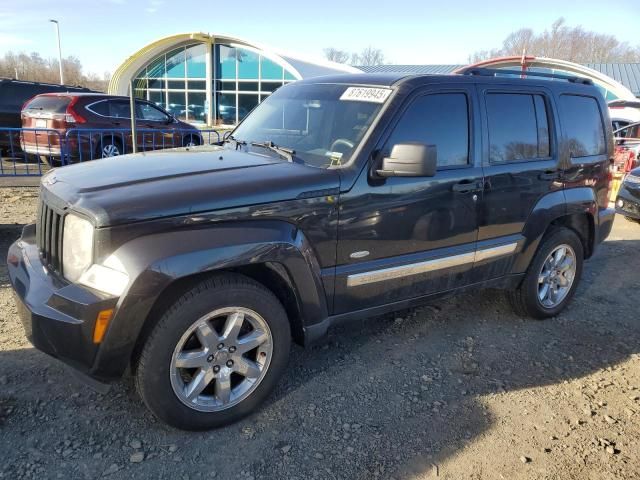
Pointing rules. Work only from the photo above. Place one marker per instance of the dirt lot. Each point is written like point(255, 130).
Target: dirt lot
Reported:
point(462, 389)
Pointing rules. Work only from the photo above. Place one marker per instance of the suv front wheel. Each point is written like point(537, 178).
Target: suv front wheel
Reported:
point(215, 355)
point(552, 277)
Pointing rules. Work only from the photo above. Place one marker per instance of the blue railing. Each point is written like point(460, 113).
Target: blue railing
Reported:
point(33, 151)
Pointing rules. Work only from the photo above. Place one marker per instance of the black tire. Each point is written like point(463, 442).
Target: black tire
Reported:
point(524, 300)
point(102, 147)
point(191, 140)
point(152, 373)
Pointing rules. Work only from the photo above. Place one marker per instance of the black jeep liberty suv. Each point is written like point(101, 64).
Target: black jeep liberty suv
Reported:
point(337, 197)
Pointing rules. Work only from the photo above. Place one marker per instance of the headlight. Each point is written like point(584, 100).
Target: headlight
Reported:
point(77, 246)
point(633, 179)
point(109, 277)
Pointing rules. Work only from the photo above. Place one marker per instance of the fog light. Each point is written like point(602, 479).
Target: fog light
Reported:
point(102, 322)
point(620, 204)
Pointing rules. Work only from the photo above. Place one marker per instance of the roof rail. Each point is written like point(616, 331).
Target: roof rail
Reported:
point(494, 72)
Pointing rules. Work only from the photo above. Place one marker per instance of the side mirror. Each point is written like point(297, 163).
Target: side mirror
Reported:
point(410, 160)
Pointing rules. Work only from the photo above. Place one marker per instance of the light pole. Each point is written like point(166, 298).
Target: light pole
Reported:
point(59, 50)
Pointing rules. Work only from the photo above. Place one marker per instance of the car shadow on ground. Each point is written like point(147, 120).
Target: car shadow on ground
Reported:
point(388, 396)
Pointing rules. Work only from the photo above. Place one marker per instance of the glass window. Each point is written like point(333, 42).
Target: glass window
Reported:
point(513, 127)
point(289, 76)
point(156, 97)
point(248, 86)
point(248, 64)
point(323, 130)
point(175, 84)
point(196, 56)
point(140, 93)
point(226, 108)
point(196, 84)
point(270, 86)
point(175, 64)
point(101, 108)
point(196, 108)
point(156, 83)
point(177, 105)
point(227, 86)
point(270, 70)
point(156, 69)
point(119, 109)
point(582, 124)
point(150, 113)
point(246, 103)
point(140, 83)
point(440, 119)
point(226, 62)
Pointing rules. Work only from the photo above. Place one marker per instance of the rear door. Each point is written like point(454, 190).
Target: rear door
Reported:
point(521, 165)
point(401, 238)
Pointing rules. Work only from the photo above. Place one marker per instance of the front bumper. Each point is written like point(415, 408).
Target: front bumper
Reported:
point(628, 202)
point(58, 317)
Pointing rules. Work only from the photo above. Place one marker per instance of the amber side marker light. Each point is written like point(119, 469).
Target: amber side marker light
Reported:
point(102, 322)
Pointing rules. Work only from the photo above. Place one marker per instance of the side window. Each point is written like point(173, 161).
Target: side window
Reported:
point(149, 112)
point(440, 119)
point(582, 123)
point(101, 108)
point(119, 109)
point(518, 127)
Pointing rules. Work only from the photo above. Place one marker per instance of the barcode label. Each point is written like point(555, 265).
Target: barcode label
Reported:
point(366, 94)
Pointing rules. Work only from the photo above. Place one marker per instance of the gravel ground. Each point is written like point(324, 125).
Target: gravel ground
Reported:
point(461, 389)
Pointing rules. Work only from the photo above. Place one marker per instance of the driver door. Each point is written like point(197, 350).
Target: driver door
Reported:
point(400, 238)
point(155, 129)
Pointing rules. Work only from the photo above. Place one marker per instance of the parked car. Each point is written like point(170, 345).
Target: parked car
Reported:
point(85, 126)
point(337, 198)
point(13, 95)
point(628, 200)
point(624, 112)
point(627, 147)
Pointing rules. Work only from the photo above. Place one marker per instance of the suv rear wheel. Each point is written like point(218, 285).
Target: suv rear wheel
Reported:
point(215, 355)
point(552, 277)
point(109, 148)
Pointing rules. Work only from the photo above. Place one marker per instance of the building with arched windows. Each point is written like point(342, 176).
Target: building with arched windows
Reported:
point(210, 79)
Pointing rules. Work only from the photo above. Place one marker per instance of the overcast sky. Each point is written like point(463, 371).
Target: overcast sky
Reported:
point(103, 33)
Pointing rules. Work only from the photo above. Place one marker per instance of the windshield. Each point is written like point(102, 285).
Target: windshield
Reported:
point(323, 124)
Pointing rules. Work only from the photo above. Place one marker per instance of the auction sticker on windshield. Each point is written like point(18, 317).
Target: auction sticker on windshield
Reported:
point(366, 94)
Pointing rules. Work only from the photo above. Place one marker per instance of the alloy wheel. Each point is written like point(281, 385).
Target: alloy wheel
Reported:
point(110, 150)
point(221, 359)
point(556, 276)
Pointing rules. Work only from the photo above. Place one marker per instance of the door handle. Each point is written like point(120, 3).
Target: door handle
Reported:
point(467, 186)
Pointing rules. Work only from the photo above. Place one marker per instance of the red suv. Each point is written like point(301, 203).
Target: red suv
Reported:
point(72, 127)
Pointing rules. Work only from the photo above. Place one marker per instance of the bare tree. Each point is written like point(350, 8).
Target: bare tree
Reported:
point(368, 56)
point(335, 55)
point(35, 68)
point(561, 41)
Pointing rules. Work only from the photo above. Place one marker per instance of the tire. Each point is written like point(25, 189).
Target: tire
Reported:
point(164, 387)
point(632, 220)
point(191, 140)
point(108, 148)
point(526, 300)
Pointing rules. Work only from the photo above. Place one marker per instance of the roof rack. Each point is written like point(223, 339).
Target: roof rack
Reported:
point(494, 72)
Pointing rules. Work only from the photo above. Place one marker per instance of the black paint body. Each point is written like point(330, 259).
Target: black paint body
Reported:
point(173, 216)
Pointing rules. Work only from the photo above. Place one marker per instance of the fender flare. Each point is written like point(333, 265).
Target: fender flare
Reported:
point(156, 261)
point(551, 207)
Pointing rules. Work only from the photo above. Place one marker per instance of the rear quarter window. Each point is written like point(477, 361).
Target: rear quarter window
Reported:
point(582, 124)
point(48, 104)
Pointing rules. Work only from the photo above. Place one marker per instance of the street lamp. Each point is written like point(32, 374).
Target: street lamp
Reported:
point(59, 50)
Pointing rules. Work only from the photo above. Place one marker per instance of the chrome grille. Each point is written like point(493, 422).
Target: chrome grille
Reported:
point(49, 228)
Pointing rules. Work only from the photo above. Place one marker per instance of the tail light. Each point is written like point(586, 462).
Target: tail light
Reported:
point(71, 115)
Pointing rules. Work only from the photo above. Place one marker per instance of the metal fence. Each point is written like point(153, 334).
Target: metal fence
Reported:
point(33, 151)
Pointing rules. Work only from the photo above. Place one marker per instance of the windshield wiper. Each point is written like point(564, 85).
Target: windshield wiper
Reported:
point(231, 138)
point(285, 153)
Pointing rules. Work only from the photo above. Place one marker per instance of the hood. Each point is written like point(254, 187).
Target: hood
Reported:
point(165, 183)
